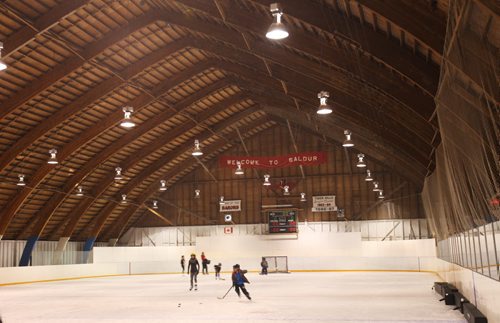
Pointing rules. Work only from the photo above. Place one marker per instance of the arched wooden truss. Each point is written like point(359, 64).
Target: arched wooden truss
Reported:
point(197, 69)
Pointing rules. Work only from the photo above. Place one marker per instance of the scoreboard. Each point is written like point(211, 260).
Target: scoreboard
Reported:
point(282, 221)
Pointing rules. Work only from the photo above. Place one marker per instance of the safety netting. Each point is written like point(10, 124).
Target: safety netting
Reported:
point(463, 191)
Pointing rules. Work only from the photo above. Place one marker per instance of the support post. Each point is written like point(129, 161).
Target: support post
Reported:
point(28, 249)
point(61, 245)
point(87, 248)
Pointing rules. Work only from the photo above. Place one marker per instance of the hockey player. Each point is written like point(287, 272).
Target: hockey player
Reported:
point(183, 262)
point(204, 262)
point(217, 270)
point(264, 266)
point(239, 281)
point(193, 269)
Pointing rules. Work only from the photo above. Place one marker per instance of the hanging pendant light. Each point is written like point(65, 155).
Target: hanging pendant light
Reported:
point(286, 190)
point(197, 150)
point(196, 194)
point(368, 177)
point(375, 187)
point(21, 181)
point(127, 121)
point(53, 158)
point(381, 194)
point(361, 163)
point(324, 107)
point(221, 201)
point(79, 191)
point(124, 199)
point(155, 204)
point(2, 64)
point(163, 185)
point(348, 142)
point(303, 197)
point(118, 175)
point(266, 180)
point(239, 170)
point(277, 30)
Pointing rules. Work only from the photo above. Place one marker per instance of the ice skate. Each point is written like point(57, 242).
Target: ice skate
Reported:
point(195, 287)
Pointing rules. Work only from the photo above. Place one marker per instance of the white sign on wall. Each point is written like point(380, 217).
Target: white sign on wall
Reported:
point(230, 206)
point(324, 203)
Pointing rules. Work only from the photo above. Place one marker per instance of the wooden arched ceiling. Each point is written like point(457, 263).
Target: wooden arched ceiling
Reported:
point(197, 69)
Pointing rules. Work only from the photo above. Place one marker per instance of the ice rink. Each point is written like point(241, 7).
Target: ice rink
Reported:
point(295, 297)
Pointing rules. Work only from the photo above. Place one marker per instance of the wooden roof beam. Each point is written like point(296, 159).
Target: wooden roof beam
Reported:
point(415, 18)
point(68, 231)
point(370, 72)
point(56, 200)
point(134, 159)
point(90, 97)
point(43, 23)
point(123, 221)
point(370, 41)
point(403, 166)
point(14, 204)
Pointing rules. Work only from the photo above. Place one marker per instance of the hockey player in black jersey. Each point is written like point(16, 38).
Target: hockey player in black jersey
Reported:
point(193, 270)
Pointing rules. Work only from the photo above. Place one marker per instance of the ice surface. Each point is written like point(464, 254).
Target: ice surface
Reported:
point(295, 297)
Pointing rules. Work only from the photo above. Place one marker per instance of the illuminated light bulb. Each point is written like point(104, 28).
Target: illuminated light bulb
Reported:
point(361, 163)
point(163, 185)
point(197, 150)
point(53, 158)
point(277, 30)
point(266, 180)
point(348, 141)
point(127, 118)
point(324, 107)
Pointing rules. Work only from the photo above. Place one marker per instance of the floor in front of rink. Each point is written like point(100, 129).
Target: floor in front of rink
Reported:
point(295, 297)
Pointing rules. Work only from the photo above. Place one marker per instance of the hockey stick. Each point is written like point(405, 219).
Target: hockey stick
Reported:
point(226, 292)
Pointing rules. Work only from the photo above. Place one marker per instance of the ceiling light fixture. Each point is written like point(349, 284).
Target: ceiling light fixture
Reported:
point(53, 159)
point(21, 181)
point(197, 150)
point(277, 30)
point(324, 107)
point(2, 64)
point(381, 194)
point(79, 191)
point(348, 141)
point(361, 162)
point(375, 187)
point(124, 199)
point(163, 185)
point(368, 177)
point(302, 197)
point(196, 194)
point(221, 201)
point(155, 204)
point(266, 180)
point(127, 117)
point(118, 175)
point(239, 170)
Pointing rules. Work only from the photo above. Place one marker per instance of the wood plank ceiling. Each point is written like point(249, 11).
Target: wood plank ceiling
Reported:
point(197, 69)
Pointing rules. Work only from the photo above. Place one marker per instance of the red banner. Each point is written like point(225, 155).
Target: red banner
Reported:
point(305, 159)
